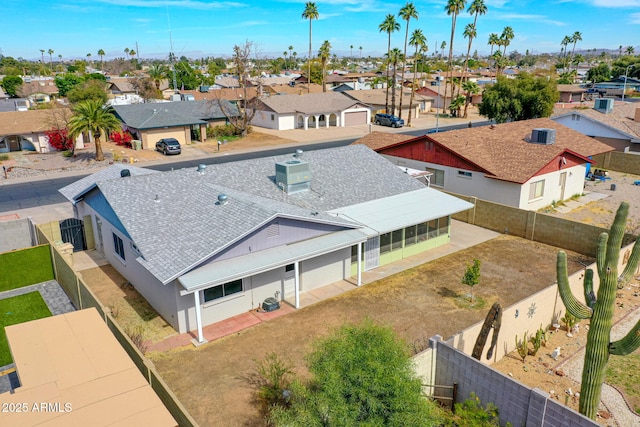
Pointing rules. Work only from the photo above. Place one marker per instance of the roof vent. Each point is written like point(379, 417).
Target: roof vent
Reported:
point(603, 105)
point(125, 172)
point(299, 153)
point(543, 136)
point(201, 168)
point(293, 176)
point(222, 199)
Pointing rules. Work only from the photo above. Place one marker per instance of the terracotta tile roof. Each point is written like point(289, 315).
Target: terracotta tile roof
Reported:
point(620, 118)
point(376, 140)
point(505, 153)
point(21, 122)
point(571, 88)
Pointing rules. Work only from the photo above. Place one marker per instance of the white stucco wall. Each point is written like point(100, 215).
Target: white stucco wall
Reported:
point(506, 193)
point(587, 127)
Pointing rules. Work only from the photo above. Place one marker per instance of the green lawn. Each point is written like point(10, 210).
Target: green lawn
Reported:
point(623, 373)
point(25, 267)
point(19, 309)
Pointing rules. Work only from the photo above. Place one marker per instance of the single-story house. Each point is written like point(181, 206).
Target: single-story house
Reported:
point(182, 120)
point(571, 93)
point(73, 372)
point(314, 110)
point(376, 99)
point(617, 124)
point(202, 245)
point(123, 86)
point(526, 164)
point(25, 130)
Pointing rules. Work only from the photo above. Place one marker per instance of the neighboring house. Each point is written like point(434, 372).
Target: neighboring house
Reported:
point(25, 130)
point(376, 99)
point(441, 100)
point(571, 93)
point(204, 245)
point(235, 95)
point(526, 164)
point(617, 124)
point(38, 90)
point(315, 110)
point(182, 120)
point(123, 86)
point(73, 372)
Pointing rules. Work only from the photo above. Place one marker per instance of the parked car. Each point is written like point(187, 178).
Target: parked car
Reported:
point(168, 146)
point(389, 120)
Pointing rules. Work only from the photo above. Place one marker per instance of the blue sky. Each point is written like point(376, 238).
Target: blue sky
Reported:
point(73, 28)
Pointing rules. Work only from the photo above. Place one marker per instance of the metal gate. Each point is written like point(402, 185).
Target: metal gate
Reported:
point(72, 231)
point(372, 253)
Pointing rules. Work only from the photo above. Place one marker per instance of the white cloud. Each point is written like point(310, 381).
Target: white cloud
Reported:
point(615, 3)
point(529, 17)
point(182, 4)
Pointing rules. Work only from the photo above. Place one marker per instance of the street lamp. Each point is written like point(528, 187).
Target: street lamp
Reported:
point(626, 73)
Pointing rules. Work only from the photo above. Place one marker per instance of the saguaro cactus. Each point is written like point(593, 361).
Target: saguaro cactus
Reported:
point(599, 310)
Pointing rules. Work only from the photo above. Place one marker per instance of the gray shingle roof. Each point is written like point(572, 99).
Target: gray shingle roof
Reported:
point(178, 113)
point(76, 189)
point(185, 225)
point(309, 103)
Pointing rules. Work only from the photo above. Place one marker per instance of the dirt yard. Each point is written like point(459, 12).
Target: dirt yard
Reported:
point(213, 383)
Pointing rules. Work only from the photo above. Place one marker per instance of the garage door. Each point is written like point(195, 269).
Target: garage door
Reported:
point(153, 135)
point(355, 118)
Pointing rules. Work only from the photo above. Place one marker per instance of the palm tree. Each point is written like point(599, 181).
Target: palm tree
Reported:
point(443, 45)
point(91, 117)
point(157, 72)
point(471, 88)
point(101, 55)
point(324, 53)
point(389, 25)
point(126, 52)
point(132, 53)
point(50, 52)
point(420, 42)
point(565, 42)
point(360, 52)
point(494, 40)
point(310, 13)
point(89, 57)
point(285, 53)
point(575, 38)
point(407, 12)
point(630, 50)
point(290, 49)
point(394, 56)
point(453, 8)
point(469, 33)
point(351, 47)
point(620, 50)
point(476, 8)
point(506, 37)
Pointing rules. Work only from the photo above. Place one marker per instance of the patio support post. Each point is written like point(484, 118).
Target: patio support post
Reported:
point(196, 297)
point(359, 283)
point(296, 281)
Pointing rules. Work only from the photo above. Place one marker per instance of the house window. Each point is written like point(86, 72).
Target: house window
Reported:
point(536, 190)
point(289, 267)
point(464, 174)
point(354, 254)
point(422, 232)
point(433, 228)
point(410, 235)
point(321, 118)
point(273, 117)
point(443, 226)
point(438, 176)
point(385, 243)
point(118, 246)
point(222, 291)
point(3, 143)
point(429, 145)
point(396, 240)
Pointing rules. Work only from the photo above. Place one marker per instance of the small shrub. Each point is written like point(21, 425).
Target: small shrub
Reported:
point(273, 380)
point(471, 413)
point(137, 337)
point(523, 347)
point(471, 277)
point(68, 153)
point(221, 131)
point(4, 157)
point(122, 139)
point(59, 139)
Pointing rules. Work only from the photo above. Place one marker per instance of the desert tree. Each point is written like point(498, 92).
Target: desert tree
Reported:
point(395, 57)
point(92, 118)
point(101, 55)
point(324, 53)
point(453, 9)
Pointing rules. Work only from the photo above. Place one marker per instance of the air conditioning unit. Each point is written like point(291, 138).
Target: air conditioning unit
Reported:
point(604, 105)
point(293, 176)
point(543, 136)
point(270, 304)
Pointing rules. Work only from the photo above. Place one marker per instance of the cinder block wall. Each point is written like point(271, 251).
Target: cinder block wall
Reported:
point(15, 234)
point(517, 403)
point(617, 161)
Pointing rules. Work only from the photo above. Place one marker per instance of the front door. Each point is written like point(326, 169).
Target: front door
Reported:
point(563, 184)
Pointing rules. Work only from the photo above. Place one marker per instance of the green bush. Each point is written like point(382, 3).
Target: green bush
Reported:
point(220, 131)
point(25, 267)
point(471, 413)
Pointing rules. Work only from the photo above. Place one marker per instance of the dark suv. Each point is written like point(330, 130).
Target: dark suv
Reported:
point(168, 146)
point(389, 120)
